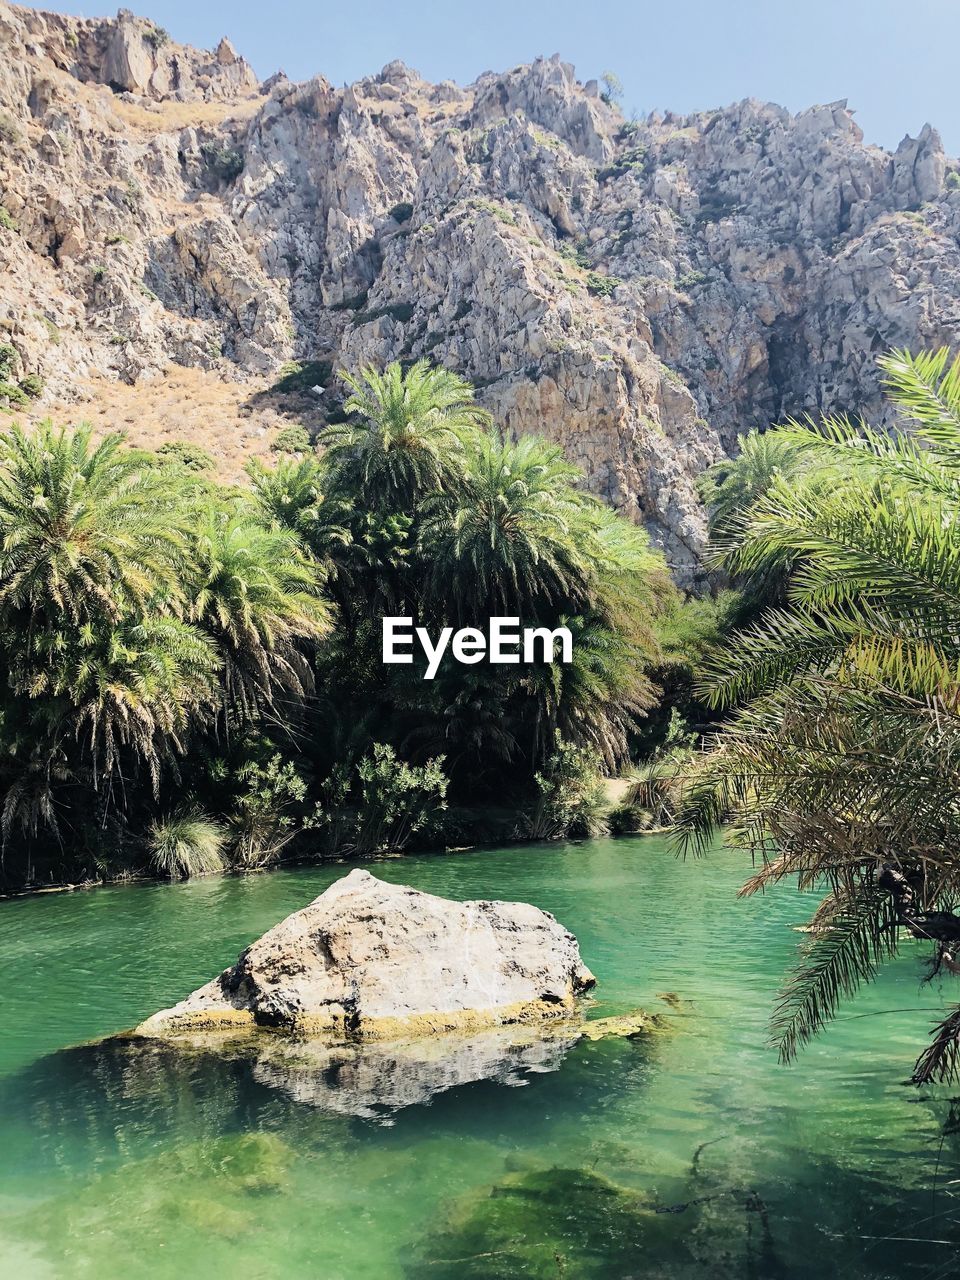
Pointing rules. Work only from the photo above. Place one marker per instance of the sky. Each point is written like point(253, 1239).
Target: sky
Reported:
point(894, 62)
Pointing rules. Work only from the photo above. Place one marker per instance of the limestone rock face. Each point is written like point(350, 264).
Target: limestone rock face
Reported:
point(639, 291)
point(371, 960)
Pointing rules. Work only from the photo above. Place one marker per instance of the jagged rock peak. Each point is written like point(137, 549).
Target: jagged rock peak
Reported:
point(134, 55)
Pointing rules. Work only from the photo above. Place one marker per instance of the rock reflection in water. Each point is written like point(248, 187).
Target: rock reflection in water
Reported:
point(373, 1079)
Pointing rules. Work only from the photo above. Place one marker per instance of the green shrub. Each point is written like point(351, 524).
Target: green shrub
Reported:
point(497, 211)
point(292, 439)
point(402, 212)
point(576, 254)
point(32, 385)
point(156, 37)
point(690, 279)
point(602, 286)
point(6, 220)
point(629, 819)
point(9, 356)
point(11, 395)
point(397, 800)
point(117, 238)
point(99, 273)
point(572, 800)
point(634, 160)
point(225, 163)
point(186, 843)
point(10, 133)
point(266, 820)
point(182, 453)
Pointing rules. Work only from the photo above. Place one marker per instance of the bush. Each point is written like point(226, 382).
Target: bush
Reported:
point(6, 219)
point(156, 37)
point(182, 453)
point(292, 439)
point(11, 394)
point(185, 844)
point(601, 286)
point(266, 821)
point(9, 130)
point(225, 163)
point(397, 800)
point(572, 801)
point(32, 385)
point(8, 360)
point(629, 819)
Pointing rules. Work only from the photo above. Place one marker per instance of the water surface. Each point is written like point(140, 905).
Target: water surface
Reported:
point(692, 1154)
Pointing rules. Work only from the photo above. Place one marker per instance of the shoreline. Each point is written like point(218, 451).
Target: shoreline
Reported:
point(449, 852)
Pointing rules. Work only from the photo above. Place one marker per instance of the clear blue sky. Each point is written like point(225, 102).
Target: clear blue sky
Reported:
point(895, 62)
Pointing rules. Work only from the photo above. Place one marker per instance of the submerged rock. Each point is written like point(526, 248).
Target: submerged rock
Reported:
point(544, 1223)
point(371, 960)
point(626, 1026)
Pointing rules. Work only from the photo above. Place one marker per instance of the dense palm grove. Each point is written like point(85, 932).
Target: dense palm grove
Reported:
point(194, 671)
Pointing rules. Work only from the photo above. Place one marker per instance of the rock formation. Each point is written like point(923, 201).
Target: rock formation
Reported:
point(638, 290)
point(367, 960)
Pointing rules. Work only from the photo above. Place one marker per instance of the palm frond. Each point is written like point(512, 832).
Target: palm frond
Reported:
point(854, 935)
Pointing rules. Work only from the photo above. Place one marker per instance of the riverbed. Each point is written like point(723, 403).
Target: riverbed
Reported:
point(688, 1153)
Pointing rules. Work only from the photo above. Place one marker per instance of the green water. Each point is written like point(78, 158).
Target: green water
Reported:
point(693, 1154)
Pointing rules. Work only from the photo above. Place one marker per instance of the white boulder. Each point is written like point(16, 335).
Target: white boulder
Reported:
point(371, 960)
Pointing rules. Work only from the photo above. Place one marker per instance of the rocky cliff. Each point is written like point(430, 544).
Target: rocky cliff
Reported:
point(638, 290)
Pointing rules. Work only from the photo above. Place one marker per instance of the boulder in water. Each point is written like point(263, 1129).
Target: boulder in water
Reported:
point(371, 960)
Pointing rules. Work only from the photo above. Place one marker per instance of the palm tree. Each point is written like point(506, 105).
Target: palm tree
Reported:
point(596, 700)
point(507, 539)
point(733, 485)
point(290, 495)
point(406, 438)
point(259, 600)
point(730, 489)
point(100, 668)
point(86, 530)
point(103, 705)
point(841, 763)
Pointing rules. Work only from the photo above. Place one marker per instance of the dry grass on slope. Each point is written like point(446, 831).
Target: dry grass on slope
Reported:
point(165, 117)
point(233, 421)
